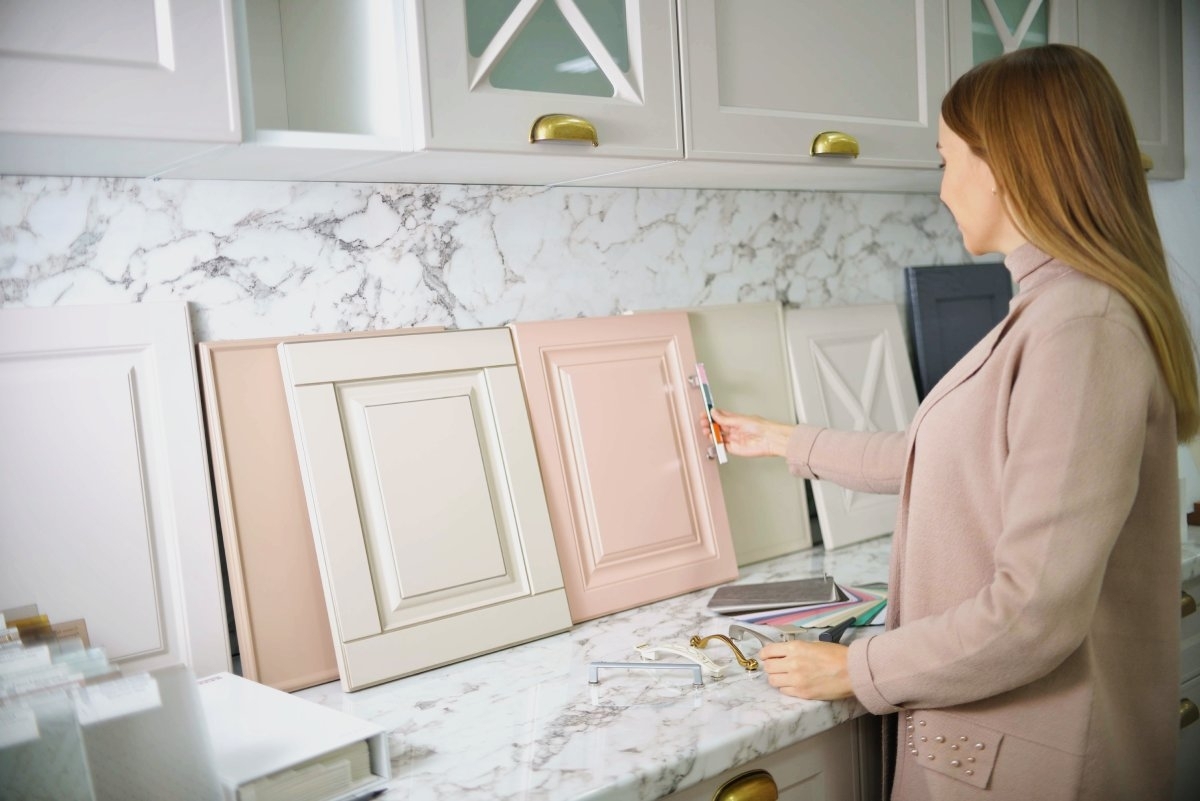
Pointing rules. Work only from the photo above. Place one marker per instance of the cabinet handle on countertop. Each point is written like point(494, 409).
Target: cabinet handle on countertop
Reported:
point(834, 143)
point(757, 785)
point(1189, 713)
point(563, 128)
point(1187, 605)
point(699, 642)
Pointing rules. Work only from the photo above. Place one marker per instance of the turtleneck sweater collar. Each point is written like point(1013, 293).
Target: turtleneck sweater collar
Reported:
point(1031, 266)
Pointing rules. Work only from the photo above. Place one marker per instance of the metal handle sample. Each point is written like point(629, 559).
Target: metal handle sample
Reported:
point(834, 143)
point(563, 128)
point(757, 785)
point(699, 642)
point(697, 673)
point(1189, 713)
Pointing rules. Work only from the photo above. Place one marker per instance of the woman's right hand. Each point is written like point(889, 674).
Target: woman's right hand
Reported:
point(750, 435)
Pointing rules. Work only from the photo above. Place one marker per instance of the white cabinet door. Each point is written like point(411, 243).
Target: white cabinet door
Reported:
point(432, 533)
point(762, 78)
point(1141, 44)
point(113, 71)
point(745, 355)
point(493, 67)
point(105, 511)
point(637, 509)
point(851, 372)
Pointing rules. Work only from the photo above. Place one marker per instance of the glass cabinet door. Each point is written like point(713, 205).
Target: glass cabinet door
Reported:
point(493, 67)
point(983, 29)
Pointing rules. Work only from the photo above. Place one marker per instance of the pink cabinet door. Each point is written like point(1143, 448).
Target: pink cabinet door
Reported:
point(636, 505)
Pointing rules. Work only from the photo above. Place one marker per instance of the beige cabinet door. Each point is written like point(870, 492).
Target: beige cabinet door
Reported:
point(851, 372)
point(105, 511)
point(745, 355)
point(432, 533)
point(762, 78)
point(283, 636)
point(638, 510)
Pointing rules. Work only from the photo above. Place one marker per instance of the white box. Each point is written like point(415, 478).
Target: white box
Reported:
point(259, 732)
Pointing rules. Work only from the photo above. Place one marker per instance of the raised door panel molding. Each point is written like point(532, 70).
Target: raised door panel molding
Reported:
point(745, 356)
point(761, 80)
point(124, 68)
point(637, 507)
point(105, 507)
point(851, 372)
point(425, 499)
point(278, 606)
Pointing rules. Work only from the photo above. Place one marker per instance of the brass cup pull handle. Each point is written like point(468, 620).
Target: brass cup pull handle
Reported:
point(563, 128)
point(757, 785)
point(834, 143)
point(1187, 605)
point(1189, 713)
point(1147, 163)
point(699, 642)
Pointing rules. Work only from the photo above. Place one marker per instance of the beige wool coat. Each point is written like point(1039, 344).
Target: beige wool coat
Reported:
point(1032, 646)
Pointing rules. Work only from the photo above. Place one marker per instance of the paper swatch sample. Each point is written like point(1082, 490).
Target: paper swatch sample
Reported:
point(734, 598)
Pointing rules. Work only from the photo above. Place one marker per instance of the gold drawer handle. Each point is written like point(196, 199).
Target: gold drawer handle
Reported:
point(1147, 163)
point(699, 642)
point(1189, 713)
point(834, 143)
point(1187, 605)
point(563, 128)
point(757, 785)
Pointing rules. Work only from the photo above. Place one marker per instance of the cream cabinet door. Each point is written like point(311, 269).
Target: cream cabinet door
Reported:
point(432, 533)
point(762, 78)
point(851, 372)
point(105, 511)
point(103, 78)
point(494, 66)
point(637, 508)
point(745, 355)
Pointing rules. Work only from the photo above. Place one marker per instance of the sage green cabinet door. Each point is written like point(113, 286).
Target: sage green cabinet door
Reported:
point(432, 533)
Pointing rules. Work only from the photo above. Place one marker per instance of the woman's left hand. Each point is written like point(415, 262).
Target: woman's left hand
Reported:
point(814, 670)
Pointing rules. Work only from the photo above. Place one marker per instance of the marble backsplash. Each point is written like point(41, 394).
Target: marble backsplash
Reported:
point(276, 258)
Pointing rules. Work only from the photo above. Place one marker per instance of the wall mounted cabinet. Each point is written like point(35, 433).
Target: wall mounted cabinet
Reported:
point(117, 88)
point(432, 533)
point(704, 93)
point(637, 508)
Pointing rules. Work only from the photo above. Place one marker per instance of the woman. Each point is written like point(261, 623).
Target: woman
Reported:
point(1032, 646)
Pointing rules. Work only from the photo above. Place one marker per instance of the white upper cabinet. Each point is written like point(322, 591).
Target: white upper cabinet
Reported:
point(120, 87)
point(1139, 41)
point(764, 78)
point(425, 90)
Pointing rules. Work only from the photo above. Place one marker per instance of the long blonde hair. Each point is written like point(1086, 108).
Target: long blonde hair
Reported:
point(1053, 127)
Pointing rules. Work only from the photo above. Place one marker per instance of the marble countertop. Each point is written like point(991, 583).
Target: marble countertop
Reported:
point(524, 724)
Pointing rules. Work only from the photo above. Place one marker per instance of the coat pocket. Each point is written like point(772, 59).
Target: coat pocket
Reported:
point(951, 745)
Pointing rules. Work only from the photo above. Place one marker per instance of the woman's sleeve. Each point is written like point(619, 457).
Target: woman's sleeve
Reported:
point(1076, 431)
point(866, 461)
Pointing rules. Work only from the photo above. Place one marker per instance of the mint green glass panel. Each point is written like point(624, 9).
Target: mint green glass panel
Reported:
point(985, 41)
point(547, 55)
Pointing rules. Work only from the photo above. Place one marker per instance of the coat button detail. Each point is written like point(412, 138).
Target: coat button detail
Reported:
point(914, 752)
point(953, 746)
point(969, 772)
point(954, 763)
point(939, 739)
point(970, 759)
point(920, 723)
point(930, 757)
point(910, 728)
point(962, 738)
point(978, 746)
point(924, 739)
